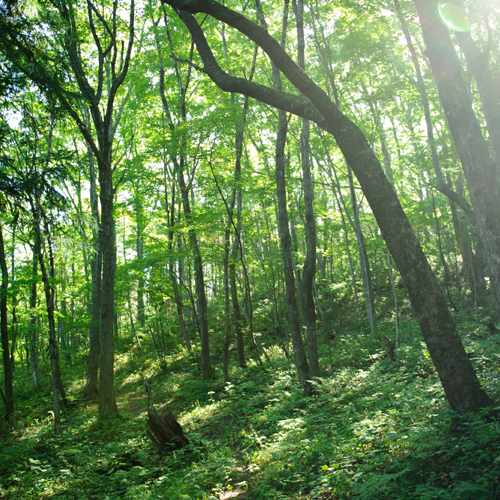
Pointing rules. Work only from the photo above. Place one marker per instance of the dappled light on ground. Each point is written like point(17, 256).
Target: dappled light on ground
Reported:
point(371, 428)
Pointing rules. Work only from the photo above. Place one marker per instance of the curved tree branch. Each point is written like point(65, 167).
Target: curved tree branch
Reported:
point(297, 105)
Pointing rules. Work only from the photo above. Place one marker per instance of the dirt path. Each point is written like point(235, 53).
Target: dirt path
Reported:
point(240, 491)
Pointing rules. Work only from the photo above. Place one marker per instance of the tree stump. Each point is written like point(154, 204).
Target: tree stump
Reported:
point(491, 328)
point(163, 429)
point(391, 348)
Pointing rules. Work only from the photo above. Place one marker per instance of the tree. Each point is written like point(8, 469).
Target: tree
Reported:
point(4, 329)
point(479, 168)
point(301, 363)
point(479, 63)
point(456, 373)
point(36, 168)
point(97, 86)
point(180, 162)
point(307, 307)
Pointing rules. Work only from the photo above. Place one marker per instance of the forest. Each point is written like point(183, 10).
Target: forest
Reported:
point(250, 249)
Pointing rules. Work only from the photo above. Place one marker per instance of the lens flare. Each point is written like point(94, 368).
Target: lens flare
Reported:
point(453, 16)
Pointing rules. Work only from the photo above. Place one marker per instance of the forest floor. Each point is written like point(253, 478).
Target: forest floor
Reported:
point(373, 429)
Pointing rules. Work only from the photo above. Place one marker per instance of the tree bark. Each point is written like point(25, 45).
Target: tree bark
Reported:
point(307, 304)
point(478, 62)
point(179, 163)
point(456, 373)
point(91, 388)
point(301, 363)
point(4, 328)
point(364, 263)
point(33, 334)
point(107, 245)
point(479, 168)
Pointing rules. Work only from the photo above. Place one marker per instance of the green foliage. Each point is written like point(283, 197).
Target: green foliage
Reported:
point(372, 429)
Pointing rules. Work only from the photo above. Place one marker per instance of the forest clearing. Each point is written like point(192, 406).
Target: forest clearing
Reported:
point(250, 249)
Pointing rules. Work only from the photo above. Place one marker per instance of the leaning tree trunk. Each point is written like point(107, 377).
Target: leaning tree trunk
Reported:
point(337, 192)
point(487, 85)
point(364, 263)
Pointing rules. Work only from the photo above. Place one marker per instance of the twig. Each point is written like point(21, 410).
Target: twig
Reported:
point(182, 59)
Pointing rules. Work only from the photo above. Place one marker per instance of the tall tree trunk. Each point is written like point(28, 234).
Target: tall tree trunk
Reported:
point(307, 304)
point(480, 171)
point(383, 140)
point(55, 369)
point(33, 330)
point(236, 199)
point(364, 263)
point(14, 327)
point(337, 192)
point(238, 324)
point(462, 247)
point(394, 292)
point(227, 307)
point(94, 328)
point(139, 246)
point(95, 273)
point(440, 181)
point(441, 255)
point(62, 317)
point(179, 165)
point(201, 298)
point(286, 253)
point(283, 225)
point(4, 328)
point(107, 245)
point(171, 221)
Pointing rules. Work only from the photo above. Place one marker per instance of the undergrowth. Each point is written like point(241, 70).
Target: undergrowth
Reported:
point(371, 430)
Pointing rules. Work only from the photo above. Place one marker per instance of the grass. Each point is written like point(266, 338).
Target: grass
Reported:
point(372, 430)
